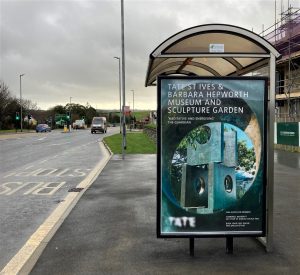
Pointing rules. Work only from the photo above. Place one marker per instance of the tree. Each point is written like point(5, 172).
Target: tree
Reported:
point(246, 156)
point(58, 109)
point(110, 117)
point(90, 112)
point(9, 105)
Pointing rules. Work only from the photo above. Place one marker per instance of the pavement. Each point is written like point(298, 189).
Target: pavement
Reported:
point(112, 229)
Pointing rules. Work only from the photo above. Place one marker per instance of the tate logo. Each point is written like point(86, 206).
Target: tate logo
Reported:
point(182, 221)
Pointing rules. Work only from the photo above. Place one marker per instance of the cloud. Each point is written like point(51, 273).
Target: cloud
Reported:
point(67, 48)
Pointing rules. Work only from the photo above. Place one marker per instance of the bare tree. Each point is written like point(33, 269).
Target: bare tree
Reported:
point(9, 105)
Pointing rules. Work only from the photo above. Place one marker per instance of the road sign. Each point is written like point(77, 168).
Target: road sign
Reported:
point(127, 110)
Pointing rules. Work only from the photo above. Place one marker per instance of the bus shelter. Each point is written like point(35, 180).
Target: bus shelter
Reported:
point(189, 67)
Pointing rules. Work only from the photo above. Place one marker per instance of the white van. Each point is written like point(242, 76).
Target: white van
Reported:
point(99, 124)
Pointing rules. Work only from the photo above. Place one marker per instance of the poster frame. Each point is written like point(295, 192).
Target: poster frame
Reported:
point(265, 139)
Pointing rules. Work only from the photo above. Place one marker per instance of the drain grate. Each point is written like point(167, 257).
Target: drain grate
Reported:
point(75, 189)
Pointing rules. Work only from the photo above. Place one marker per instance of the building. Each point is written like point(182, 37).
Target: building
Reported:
point(285, 36)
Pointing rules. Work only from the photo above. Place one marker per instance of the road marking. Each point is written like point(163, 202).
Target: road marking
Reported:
point(57, 144)
point(38, 185)
point(47, 188)
point(11, 174)
point(42, 138)
point(27, 256)
point(45, 172)
point(62, 172)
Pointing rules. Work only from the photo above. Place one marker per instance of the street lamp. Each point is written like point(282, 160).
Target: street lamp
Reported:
point(70, 115)
point(123, 80)
point(120, 90)
point(133, 109)
point(132, 102)
point(21, 118)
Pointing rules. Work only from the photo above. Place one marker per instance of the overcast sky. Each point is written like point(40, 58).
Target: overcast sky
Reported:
point(66, 48)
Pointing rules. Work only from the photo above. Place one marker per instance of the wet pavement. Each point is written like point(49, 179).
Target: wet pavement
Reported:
point(287, 159)
point(112, 230)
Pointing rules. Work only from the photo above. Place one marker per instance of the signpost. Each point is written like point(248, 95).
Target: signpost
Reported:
point(61, 119)
point(212, 176)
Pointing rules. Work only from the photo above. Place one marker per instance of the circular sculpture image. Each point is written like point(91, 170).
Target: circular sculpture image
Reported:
point(213, 167)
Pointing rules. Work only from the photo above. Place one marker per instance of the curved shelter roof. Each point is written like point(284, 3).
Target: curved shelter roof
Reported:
point(210, 50)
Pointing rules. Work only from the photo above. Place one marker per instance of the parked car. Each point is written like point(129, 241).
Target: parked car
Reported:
point(99, 124)
point(42, 128)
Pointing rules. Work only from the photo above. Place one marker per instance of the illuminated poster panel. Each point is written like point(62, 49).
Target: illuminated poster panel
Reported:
point(211, 156)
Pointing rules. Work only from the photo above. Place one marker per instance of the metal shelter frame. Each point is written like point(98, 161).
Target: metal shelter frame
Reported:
point(222, 50)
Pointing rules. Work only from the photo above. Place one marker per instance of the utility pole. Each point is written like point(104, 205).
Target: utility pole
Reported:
point(123, 80)
point(70, 115)
point(133, 120)
point(21, 118)
point(120, 91)
point(132, 102)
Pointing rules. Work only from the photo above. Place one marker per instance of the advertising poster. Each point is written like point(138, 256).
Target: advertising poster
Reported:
point(211, 156)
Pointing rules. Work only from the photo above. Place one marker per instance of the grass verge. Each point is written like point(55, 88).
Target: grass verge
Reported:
point(137, 143)
point(7, 131)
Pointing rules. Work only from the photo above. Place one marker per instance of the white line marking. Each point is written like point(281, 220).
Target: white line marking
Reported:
point(56, 144)
point(9, 175)
point(42, 138)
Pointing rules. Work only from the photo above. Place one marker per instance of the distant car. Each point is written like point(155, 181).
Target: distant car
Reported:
point(42, 128)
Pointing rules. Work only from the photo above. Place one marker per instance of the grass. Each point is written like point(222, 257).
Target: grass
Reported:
point(13, 131)
point(150, 126)
point(7, 131)
point(137, 143)
point(140, 115)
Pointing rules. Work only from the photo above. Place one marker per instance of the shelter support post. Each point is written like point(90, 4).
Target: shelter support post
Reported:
point(229, 245)
point(268, 240)
point(192, 247)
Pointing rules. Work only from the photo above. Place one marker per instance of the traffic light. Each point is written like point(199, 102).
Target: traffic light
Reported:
point(29, 117)
point(17, 116)
point(68, 115)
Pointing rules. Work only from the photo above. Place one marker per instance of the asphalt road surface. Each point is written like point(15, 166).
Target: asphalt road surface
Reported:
point(37, 171)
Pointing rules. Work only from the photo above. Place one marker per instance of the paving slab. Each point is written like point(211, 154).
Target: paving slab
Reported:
point(112, 230)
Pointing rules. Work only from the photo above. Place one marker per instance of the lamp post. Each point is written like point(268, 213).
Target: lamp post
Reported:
point(21, 118)
point(70, 115)
point(120, 91)
point(123, 80)
point(132, 102)
point(133, 126)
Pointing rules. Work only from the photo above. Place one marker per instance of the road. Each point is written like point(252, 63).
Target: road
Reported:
point(37, 171)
